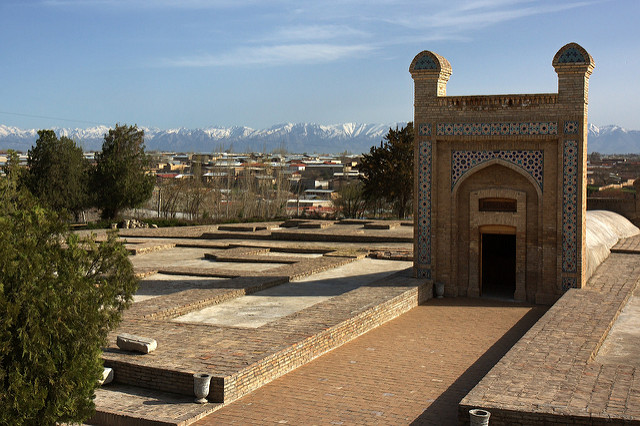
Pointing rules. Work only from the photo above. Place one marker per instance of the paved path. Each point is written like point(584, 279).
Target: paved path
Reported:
point(622, 344)
point(415, 368)
point(556, 374)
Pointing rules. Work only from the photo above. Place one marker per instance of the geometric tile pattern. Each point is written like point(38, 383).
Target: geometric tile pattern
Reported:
point(424, 130)
point(570, 207)
point(424, 204)
point(531, 162)
point(570, 56)
point(570, 127)
point(424, 273)
point(568, 282)
point(425, 63)
point(500, 129)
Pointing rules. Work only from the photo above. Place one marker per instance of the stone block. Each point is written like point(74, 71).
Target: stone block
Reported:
point(130, 342)
point(107, 376)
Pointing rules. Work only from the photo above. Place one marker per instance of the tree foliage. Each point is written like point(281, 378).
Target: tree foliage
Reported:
point(120, 180)
point(388, 170)
point(58, 173)
point(59, 297)
point(13, 171)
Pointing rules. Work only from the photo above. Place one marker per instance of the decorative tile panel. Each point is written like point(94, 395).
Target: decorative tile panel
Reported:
point(570, 127)
point(571, 56)
point(424, 130)
point(424, 203)
point(570, 207)
point(568, 282)
point(424, 273)
point(426, 62)
point(497, 129)
point(531, 162)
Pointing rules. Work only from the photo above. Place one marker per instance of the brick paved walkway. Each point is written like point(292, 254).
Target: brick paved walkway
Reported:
point(553, 374)
point(415, 368)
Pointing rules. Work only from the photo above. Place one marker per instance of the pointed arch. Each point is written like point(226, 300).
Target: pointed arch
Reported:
point(496, 161)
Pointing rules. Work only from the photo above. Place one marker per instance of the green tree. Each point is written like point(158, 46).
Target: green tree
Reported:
point(13, 171)
point(59, 297)
point(120, 180)
point(58, 173)
point(388, 170)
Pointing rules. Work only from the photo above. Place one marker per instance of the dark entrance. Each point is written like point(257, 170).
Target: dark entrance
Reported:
point(498, 265)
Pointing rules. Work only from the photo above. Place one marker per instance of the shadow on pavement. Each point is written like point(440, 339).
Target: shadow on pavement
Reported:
point(444, 410)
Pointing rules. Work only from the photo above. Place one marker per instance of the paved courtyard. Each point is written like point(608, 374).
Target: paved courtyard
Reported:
point(247, 309)
point(413, 369)
point(321, 334)
point(579, 363)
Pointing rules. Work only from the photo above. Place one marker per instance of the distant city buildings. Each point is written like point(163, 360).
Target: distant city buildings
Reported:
point(311, 180)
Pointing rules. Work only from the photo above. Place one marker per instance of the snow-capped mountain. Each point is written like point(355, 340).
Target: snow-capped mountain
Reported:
point(302, 137)
point(613, 139)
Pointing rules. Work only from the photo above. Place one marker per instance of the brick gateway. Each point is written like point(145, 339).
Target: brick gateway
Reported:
point(501, 165)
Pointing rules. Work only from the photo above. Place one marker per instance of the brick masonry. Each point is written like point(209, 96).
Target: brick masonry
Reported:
point(551, 375)
point(396, 374)
point(531, 144)
point(323, 231)
point(242, 360)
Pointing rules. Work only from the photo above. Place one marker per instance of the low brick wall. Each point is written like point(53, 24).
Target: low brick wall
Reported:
point(151, 378)
point(115, 419)
point(343, 238)
point(171, 306)
point(174, 305)
point(297, 355)
point(245, 380)
point(624, 206)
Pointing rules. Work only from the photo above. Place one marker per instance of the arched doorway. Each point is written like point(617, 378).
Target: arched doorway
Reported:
point(496, 222)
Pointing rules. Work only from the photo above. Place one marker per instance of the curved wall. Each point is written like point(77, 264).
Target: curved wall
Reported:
point(604, 230)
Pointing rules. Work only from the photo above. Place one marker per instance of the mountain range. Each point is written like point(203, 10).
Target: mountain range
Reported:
point(298, 138)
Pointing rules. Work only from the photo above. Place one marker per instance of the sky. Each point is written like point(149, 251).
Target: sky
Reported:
point(257, 63)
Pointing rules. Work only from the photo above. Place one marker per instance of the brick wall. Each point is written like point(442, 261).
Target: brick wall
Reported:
point(531, 143)
point(294, 356)
point(229, 388)
point(626, 207)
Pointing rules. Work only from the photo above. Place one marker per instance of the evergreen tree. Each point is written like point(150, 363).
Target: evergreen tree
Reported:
point(13, 172)
point(59, 297)
point(120, 180)
point(58, 173)
point(388, 170)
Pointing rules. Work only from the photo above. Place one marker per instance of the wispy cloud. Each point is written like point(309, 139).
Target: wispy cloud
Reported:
point(466, 5)
point(154, 4)
point(390, 22)
point(291, 54)
point(314, 32)
point(473, 15)
point(289, 32)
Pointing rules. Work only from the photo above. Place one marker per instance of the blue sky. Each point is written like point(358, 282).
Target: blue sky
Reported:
point(199, 63)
